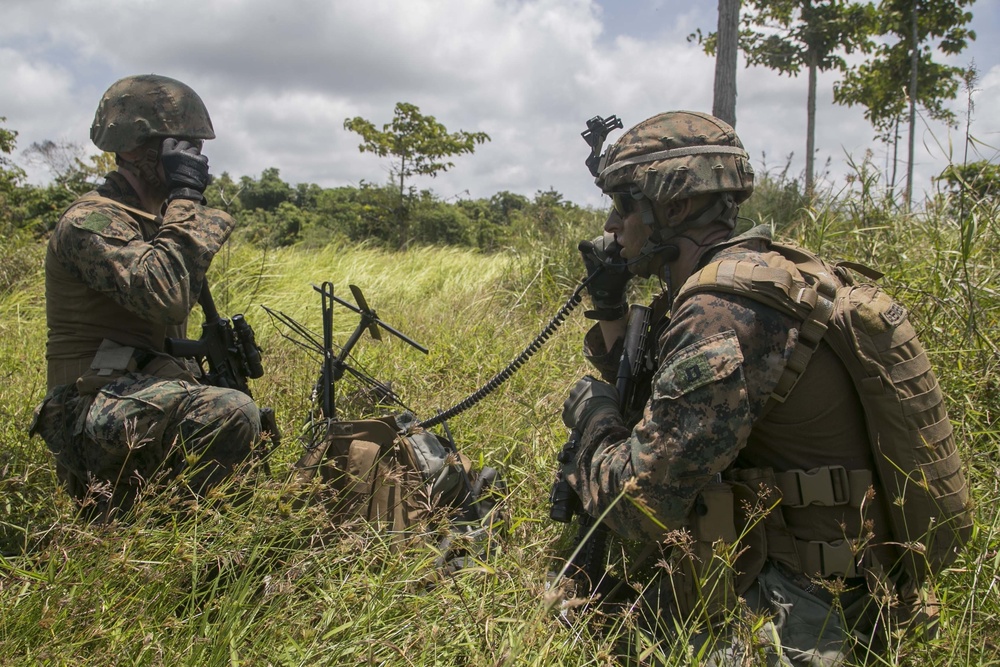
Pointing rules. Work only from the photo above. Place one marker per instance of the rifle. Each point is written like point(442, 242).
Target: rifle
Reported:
point(229, 350)
point(587, 566)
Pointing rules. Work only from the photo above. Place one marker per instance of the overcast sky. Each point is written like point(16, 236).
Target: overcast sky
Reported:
point(279, 78)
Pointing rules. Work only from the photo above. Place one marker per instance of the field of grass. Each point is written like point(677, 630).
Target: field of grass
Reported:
point(269, 582)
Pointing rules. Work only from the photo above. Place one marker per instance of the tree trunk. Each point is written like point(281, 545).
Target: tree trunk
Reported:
point(724, 101)
point(402, 214)
point(895, 161)
point(914, 59)
point(811, 131)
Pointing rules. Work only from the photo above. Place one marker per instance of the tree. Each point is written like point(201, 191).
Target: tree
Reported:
point(10, 174)
point(267, 194)
point(224, 193)
point(903, 73)
point(64, 160)
point(789, 35)
point(11, 177)
point(724, 97)
point(418, 145)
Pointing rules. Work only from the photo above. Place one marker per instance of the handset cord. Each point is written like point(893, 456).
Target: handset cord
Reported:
point(511, 368)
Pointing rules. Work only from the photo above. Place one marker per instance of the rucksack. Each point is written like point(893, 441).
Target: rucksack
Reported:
point(917, 461)
point(409, 482)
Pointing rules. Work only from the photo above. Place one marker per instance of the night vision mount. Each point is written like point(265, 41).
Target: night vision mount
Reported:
point(595, 134)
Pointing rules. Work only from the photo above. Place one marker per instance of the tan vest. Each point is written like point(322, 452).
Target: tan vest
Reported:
point(79, 318)
point(861, 381)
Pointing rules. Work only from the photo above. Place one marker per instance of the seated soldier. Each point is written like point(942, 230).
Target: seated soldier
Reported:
point(124, 267)
point(731, 403)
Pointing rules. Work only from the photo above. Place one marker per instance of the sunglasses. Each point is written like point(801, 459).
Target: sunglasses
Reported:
point(624, 202)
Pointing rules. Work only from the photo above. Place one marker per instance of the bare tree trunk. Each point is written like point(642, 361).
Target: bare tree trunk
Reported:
point(402, 214)
point(811, 132)
point(914, 59)
point(724, 101)
point(895, 160)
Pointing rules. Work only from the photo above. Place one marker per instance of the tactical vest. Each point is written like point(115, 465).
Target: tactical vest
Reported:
point(917, 468)
point(80, 318)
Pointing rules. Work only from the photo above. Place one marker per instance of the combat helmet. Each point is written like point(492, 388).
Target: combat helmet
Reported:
point(145, 106)
point(676, 155)
point(673, 156)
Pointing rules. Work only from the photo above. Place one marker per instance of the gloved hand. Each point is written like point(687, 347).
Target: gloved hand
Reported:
point(607, 290)
point(588, 397)
point(186, 169)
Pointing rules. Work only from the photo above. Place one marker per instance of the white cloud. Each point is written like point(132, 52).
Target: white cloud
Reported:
point(279, 80)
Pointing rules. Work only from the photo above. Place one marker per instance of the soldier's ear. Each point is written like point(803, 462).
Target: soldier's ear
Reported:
point(676, 211)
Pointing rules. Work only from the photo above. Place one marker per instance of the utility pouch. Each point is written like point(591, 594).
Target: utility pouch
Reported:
point(360, 474)
point(725, 556)
point(169, 368)
point(111, 361)
point(55, 419)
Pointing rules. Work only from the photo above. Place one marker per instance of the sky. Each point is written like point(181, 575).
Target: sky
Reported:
point(280, 78)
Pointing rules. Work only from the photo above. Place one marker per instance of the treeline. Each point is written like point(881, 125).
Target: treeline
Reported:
point(275, 213)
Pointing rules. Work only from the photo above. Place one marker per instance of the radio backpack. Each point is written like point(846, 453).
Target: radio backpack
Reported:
point(409, 482)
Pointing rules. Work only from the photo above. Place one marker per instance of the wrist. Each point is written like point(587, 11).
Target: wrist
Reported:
point(186, 193)
point(607, 314)
point(597, 408)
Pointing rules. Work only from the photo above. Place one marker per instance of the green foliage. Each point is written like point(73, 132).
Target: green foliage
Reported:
point(778, 200)
point(267, 193)
point(25, 208)
point(418, 145)
point(223, 193)
point(283, 226)
point(418, 142)
point(11, 178)
point(791, 35)
point(878, 84)
point(980, 180)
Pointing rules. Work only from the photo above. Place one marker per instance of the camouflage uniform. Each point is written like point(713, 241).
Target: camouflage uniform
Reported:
point(718, 357)
point(717, 363)
point(118, 274)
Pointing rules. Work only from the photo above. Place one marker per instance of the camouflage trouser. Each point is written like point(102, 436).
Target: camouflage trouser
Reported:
point(802, 629)
point(138, 428)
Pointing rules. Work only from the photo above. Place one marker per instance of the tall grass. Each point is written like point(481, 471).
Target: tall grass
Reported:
point(273, 582)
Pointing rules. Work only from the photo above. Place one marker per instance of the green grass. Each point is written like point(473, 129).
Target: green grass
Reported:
point(270, 582)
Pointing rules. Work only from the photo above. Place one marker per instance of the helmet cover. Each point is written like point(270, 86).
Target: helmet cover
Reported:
point(677, 155)
point(146, 106)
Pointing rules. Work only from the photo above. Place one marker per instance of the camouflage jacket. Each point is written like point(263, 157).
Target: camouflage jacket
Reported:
point(113, 271)
point(718, 360)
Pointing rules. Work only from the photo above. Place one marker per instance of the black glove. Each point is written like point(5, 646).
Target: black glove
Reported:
point(588, 397)
point(186, 169)
point(607, 290)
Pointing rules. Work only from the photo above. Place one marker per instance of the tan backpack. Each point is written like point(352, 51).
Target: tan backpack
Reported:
point(406, 479)
point(916, 458)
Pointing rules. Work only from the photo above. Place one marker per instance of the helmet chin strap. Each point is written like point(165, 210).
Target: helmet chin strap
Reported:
point(657, 249)
point(147, 169)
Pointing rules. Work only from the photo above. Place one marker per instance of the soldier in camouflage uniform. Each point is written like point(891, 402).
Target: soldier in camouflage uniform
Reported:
point(677, 180)
point(124, 267)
